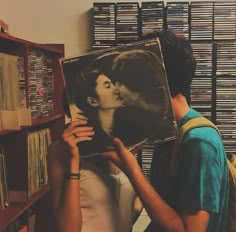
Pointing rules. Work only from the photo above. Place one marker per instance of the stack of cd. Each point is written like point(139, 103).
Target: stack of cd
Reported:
point(226, 93)
point(104, 29)
point(201, 87)
point(201, 20)
point(127, 22)
point(41, 83)
point(147, 152)
point(152, 17)
point(177, 18)
point(224, 20)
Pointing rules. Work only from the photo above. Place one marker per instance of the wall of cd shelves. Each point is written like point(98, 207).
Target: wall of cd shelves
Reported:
point(210, 27)
point(31, 119)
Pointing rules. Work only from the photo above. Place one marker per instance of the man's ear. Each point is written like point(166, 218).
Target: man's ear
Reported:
point(92, 101)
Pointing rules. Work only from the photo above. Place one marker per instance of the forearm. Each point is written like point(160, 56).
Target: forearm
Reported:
point(159, 211)
point(64, 159)
point(68, 212)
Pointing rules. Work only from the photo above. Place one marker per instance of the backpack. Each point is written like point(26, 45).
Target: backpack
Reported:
point(204, 122)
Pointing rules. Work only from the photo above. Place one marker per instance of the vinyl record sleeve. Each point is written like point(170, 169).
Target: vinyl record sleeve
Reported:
point(123, 92)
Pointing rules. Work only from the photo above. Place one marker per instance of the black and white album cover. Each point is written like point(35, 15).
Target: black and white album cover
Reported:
point(122, 92)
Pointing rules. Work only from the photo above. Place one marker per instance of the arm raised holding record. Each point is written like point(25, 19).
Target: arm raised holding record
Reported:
point(90, 194)
point(94, 98)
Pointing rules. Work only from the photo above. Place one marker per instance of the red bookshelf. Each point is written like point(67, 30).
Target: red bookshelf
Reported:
point(16, 142)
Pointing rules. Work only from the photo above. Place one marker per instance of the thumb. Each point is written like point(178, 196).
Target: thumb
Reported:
point(119, 144)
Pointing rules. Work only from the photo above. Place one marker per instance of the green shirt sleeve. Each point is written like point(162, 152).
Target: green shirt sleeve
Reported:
point(200, 171)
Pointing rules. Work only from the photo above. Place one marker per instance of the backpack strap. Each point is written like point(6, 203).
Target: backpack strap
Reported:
point(190, 124)
point(174, 165)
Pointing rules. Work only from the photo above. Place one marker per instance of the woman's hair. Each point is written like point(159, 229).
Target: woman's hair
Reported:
point(86, 81)
point(140, 71)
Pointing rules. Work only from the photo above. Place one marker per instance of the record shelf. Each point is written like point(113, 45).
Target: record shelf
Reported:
point(210, 28)
point(23, 187)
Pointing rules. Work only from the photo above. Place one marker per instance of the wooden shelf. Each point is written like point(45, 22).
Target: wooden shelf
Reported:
point(11, 42)
point(35, 122)
point(12, 212)
point(46, 119)
point(18, 144)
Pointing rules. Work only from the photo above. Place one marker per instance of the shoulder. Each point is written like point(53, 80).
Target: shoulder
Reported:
point(204, 143)
point(201, 135)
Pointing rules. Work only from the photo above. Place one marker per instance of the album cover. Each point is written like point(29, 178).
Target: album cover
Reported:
point(122, 92)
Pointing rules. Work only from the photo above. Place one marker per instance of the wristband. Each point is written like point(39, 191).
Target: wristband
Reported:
point(73, 175)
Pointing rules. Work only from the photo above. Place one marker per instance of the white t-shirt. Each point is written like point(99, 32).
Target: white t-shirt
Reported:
point(107, 201)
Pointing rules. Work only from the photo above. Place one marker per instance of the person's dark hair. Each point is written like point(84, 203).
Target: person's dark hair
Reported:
point(139, 70)
point(179, 60)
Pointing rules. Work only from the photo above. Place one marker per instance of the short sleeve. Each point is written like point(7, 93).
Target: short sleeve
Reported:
point(200, 172)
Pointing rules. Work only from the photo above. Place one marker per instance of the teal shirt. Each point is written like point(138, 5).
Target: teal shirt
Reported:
point(203, 182)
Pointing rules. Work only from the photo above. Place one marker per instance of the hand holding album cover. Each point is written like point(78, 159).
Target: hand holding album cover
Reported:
point(122, 92)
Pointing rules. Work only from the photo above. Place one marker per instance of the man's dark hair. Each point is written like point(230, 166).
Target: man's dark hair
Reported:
point(179, 61)
point(140, 71)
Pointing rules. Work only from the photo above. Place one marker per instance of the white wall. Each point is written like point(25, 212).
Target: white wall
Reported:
point(52, 21)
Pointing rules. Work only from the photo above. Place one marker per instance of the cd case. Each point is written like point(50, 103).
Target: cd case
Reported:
point(123, 92)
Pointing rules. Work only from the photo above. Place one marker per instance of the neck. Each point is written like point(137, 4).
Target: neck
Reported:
point(106, 120)
point(180, 106)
